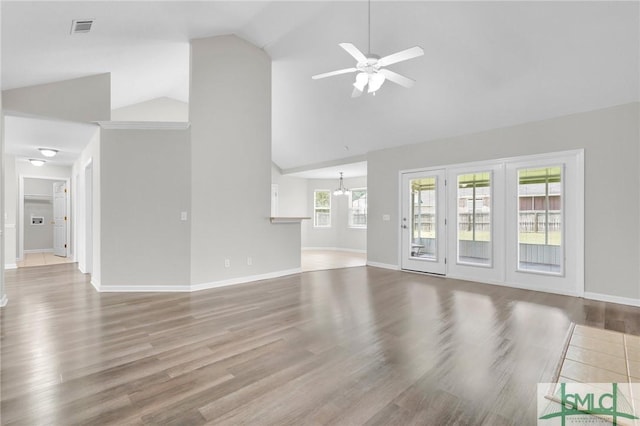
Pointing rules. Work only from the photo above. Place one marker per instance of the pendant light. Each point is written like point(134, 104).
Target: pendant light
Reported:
point(341, 189)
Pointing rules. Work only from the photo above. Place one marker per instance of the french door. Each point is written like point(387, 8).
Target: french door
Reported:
point(423, 222)
point(517, 222)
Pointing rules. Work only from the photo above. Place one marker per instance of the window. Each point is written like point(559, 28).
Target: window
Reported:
point(423, 217)
point(474, 218)
point(540, 219)
point(322, 208)
point(358, 208)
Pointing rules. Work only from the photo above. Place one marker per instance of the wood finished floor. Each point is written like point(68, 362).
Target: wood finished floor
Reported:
point(344, 346)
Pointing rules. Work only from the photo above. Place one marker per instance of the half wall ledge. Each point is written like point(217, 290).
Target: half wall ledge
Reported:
point(279, 219)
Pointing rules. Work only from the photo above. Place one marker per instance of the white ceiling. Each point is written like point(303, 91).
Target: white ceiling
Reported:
point(486, 64)
point(333, 172)
point(24, 135)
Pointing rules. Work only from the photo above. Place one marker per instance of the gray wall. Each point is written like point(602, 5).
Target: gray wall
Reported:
point(81, 99)
point(230, 114)
point(340, 235)
point(610, 138)
point(292, 194)
point(144, 188)
point(160, 109)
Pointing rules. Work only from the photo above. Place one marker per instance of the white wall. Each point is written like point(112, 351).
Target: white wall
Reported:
point(611, 140)
point(159, 109)
point(3, 297)
point(10, 211)
point(91, 154)
point(144, 189)
point(339, 235)
point(292, 194)
point(83, 99)
point(230, 114)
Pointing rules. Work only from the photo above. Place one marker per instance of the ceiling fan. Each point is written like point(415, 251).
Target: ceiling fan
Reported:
point(370, 67)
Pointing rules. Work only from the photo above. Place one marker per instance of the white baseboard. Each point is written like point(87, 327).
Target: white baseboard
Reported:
point(612, 299)
point(10, 266)
point(96, 284)
point(241, 280)
point(144, 288)
point(39, 251)
point(190, 288)
point(383, 265)
point(335, 249)
point(513, 285)
point(4, 301)
point(81, 269)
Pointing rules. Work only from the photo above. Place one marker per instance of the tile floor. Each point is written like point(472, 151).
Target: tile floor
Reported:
point(40, 259)
point(317, 260)
point(603, 356)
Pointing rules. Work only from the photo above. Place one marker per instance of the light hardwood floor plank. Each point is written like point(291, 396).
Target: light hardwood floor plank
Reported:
point(345, 346)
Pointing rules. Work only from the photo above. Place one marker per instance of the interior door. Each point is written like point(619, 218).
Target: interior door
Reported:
point(60, 219)
point(423, 222)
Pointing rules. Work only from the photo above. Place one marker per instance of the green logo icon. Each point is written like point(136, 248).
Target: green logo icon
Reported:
point(611, 405)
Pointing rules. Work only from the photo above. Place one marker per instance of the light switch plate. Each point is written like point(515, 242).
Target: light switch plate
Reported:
point(183, 215)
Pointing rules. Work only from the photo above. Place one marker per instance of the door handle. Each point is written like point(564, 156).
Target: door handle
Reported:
point(404, 226)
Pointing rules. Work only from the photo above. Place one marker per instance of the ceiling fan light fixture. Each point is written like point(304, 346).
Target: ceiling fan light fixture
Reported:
point(48, 152)
point(37, 162)
point(361, 81)
point(375, 82)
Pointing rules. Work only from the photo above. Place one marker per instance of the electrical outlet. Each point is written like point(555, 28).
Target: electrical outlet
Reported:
point(227, 263)
point(249, 261)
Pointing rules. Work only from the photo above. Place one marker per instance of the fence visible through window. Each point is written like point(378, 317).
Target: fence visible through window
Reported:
point(540, 219)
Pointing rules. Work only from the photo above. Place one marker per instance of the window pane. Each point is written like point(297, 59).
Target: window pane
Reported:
point(540, 221)
point(423, 218)
point(358, 208)
point(474, 218)
point(322, 208)
point(322, 199)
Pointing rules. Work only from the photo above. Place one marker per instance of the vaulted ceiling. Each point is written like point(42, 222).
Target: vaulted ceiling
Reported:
point(486, 64)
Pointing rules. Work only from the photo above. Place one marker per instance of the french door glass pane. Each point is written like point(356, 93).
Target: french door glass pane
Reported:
point(423, 218)
point(474, 218)
point(540, 219)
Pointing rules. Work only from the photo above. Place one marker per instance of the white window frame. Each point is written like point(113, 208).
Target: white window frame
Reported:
point(350, 209)
point(315, 208)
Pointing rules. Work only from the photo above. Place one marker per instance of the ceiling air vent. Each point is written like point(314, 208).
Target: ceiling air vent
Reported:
point(80, 26)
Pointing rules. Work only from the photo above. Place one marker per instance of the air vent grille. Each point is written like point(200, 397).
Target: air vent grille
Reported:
point(80, 26)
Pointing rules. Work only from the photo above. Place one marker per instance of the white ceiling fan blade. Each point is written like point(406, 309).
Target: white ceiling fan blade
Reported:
point(403, 55)
point(332, 73)
point(353, 51)
point(356, 93)
point(397, 78)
